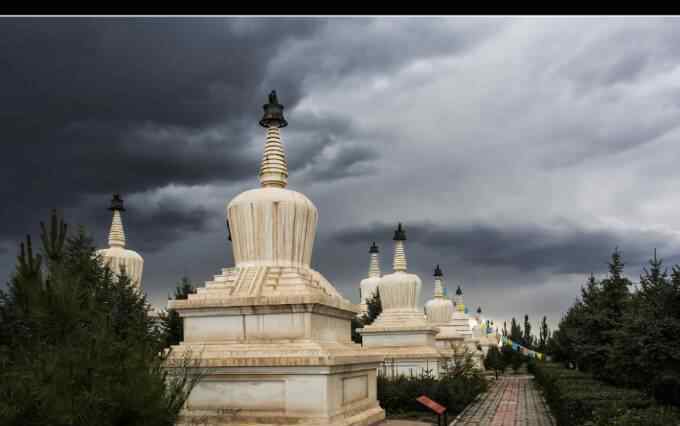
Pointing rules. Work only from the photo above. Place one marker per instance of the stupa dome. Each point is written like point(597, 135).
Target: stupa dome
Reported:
point(272, 226)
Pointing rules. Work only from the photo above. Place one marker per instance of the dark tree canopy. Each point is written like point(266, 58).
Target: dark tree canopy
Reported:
point(76, 344)
point(172, 323)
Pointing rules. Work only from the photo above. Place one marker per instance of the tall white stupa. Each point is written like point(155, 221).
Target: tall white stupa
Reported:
point(117, 257)
point(273, 333)
point(401, 332)
point(369, 285)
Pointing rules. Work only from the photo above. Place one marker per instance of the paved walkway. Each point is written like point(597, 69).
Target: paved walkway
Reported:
point(511, 401)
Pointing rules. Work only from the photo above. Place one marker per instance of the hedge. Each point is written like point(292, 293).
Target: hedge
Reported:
point(398, 395)
point(576, 399)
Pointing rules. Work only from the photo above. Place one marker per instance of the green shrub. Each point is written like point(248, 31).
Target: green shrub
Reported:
point(577, 399)
point(652, 416)
point(398, 395)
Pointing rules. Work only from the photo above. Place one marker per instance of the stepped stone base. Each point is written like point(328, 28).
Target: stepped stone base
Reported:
point(275, 343)
point(407, 342)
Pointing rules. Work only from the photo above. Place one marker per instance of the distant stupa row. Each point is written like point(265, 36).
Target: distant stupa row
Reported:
point(411, 340)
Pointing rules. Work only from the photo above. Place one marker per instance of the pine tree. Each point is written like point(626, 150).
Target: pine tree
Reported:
point(544, 335)
point(527, 337)
point(76, 344)
point(374, 309)
point(646, 348)
point(374, 306)
point(494, 361)
point(603, 317)
point(516, 334)
point(172, 322)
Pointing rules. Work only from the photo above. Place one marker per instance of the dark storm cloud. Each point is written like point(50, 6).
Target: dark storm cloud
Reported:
point(150, 226)
point(530, 248)
point(367, 46)
point(125, 105)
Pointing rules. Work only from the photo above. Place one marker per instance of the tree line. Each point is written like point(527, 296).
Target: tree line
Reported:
point(626, 334)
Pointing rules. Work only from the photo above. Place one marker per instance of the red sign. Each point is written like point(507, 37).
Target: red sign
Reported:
point(437, 408)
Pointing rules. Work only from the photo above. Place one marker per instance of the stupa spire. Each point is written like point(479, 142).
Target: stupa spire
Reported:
point(274, 168)
point(438, 286)
point(399, 263)
point(117, 233)
point(374, 267)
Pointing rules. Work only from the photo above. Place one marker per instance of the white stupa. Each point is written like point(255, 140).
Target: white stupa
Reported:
point(463, 324)
point(439, 311)
point(117, 257)
point(273, 333)
point(369, 285)
point(483, 332)
point(461, 320)
point(401, 332)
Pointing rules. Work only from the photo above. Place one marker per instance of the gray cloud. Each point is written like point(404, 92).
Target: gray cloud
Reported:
point(529, 248)
point(518, 151)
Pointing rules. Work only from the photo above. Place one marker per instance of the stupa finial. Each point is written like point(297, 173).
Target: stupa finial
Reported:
point(273, 113)
point(274, 168)
point(399, 233)
point(438, 272)
point(117, 203)
point(374, 267)
point(438, 286)
point(117, 233)
point(399, 262)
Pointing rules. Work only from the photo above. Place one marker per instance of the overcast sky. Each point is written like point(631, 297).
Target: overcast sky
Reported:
point(517, 152)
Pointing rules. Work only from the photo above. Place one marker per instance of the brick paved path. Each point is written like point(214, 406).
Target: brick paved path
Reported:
point(511, 401)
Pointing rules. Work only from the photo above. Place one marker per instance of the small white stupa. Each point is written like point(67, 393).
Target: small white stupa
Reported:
point(463, 324)
point(483, 332)
point(439, 311)
point(401, 332)
point(461, 320)
point(368, 286)
point(117, 257)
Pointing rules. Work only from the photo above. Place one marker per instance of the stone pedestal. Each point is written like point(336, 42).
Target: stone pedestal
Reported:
point(406, 341)
point(277, 360)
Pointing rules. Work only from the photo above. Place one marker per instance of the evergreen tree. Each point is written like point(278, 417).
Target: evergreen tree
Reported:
point(527, 337)
point(544, 335)
point(355, 324)
point(646, 348)
point(172, 322)
point(516, 334)
point(76, 344)
point(603, 317)
point(374, 309)
point(505, 328)
point(374, 306)
point(494, 361)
